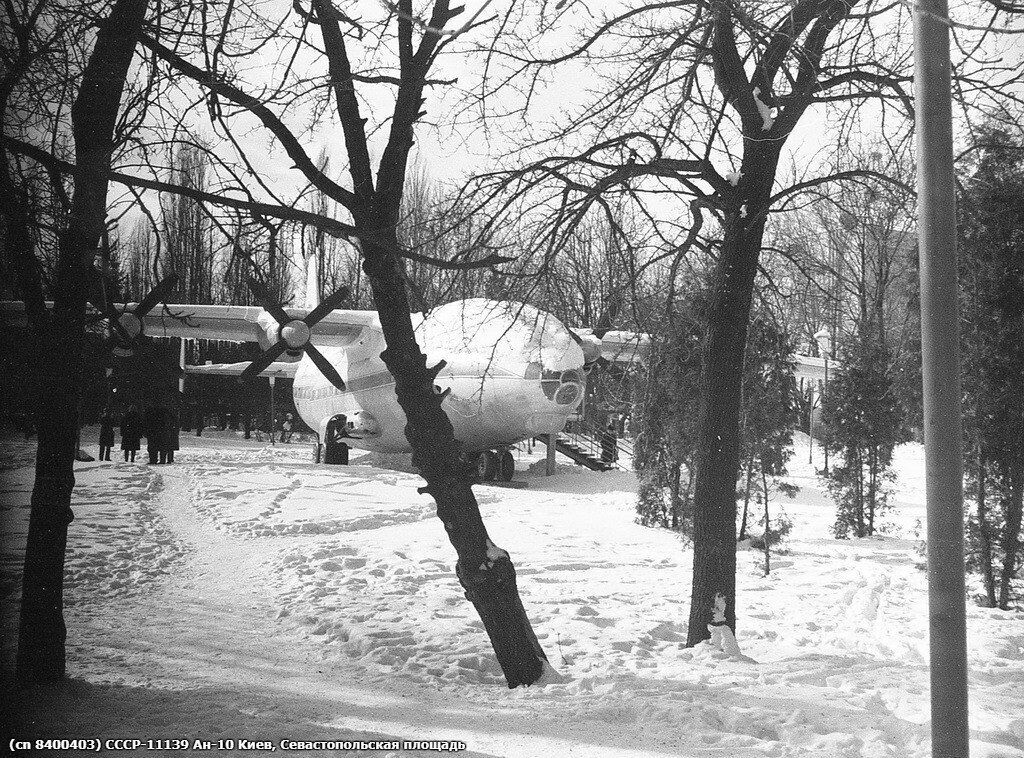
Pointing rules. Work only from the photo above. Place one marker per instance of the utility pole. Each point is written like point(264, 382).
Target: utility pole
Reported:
point(937, 235)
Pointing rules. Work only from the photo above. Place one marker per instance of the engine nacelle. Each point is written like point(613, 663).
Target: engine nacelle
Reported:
point(270, 333)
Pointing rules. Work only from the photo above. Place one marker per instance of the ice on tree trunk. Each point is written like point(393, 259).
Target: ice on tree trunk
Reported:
point(721, 635)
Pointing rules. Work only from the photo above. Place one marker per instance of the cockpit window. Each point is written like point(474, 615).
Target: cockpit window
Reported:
point(572, 375)
point(567, 394)
point(562, 387)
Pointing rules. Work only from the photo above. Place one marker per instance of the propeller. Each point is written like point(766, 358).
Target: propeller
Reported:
point(128, 325)
point(294, 334)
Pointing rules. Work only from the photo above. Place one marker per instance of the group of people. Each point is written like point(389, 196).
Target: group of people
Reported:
point(158, 424)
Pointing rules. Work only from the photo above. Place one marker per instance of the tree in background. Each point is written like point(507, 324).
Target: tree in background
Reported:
point(864, 419)
point(186, 230)
point(401, 48)
point(692, 107)
point(59, 335)
point(665, 413)
point(769, 417)
point(992, 284)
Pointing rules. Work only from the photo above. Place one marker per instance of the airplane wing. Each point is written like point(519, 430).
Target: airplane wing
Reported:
point(238, 323)
point(243, 323)
point(617, 346)
point(277, 369)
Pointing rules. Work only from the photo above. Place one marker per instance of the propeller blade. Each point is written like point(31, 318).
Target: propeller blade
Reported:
point(123, 336)
point(325, 367)
point(156, 295)
point(329, 304)
point(98, 294)
point(268, 303)
point(98, 300)
point(113, 317)
point(264, 359)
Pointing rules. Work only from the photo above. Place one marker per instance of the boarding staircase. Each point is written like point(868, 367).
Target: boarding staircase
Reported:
point(582, 445)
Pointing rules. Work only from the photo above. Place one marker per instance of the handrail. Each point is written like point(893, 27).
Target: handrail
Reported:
point(590, 440)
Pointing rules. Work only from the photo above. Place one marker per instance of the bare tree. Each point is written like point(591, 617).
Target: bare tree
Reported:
point(695, 104)
point(374, 203)
point(59, 335)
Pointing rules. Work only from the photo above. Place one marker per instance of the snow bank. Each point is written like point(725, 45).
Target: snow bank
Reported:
point(244, 592)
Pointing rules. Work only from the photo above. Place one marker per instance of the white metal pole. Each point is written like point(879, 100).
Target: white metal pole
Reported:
point(941, 373)
point(181, 365)
point(273, 424)
point(810, 427)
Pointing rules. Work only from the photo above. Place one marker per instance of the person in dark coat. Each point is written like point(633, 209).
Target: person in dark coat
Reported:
point(609, 443)
point(131, 432)
point(152, 423)
point(107, 421)
point(335, 448)
point(172, 431)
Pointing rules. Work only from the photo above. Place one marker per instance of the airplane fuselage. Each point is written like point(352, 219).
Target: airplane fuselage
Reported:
point(511, 373)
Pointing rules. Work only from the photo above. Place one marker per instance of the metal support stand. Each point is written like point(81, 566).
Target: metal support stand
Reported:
point(824, 390)
point(549, 464)
point(810, 428)
point(181, 365)
point(273, 412)
point(941, 372)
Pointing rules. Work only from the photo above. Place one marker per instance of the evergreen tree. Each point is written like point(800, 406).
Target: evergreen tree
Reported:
point(665, 410)
point(666, 414)
point(992, 286)
point(864, 420)
point(770, 413)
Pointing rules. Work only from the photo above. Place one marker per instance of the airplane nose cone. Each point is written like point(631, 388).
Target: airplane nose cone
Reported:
point(295, 333)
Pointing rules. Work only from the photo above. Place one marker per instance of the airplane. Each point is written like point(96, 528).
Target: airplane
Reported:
point(512, 372)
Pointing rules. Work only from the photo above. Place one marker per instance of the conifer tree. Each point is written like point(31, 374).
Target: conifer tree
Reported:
point(992, 284)
point(864, 420)
point(769, 415)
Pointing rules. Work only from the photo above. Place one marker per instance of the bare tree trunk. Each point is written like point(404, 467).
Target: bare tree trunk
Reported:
point(984, 537)
point(42, 633)
point(720, 390)
point(767, 525)
point(860, 494)
point(746, 498)
point(1011, 537)
point(872, 489)
point(673, 488)
point(484, 570)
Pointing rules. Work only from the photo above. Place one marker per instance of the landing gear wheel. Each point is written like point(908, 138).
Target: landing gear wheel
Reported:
point(506, 466)
point(486, 466)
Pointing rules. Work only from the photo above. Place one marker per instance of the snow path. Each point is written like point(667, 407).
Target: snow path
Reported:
point(245, 593)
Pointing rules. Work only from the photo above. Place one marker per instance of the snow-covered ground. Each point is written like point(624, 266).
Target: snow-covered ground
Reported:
point(244, 593)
